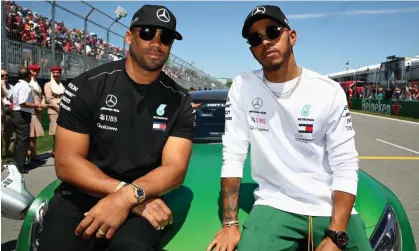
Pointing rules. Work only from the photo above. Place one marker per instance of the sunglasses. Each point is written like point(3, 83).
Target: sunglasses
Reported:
point(4, 75)
point(271, 32)
point(148, 33)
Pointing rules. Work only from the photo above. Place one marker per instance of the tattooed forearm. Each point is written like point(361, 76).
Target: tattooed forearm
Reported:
point(230, 188)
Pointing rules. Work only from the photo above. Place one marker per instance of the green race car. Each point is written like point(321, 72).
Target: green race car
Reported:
point(197, 205)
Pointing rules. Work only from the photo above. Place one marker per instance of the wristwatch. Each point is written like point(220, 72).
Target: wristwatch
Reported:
point(340, 238)
point(139, 193)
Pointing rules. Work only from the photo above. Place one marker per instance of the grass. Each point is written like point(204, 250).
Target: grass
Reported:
point(388, 116)
point(43, 144)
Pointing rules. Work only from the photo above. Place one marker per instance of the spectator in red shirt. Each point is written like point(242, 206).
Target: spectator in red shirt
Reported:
point(28, 36)
point(26, 25)
point(415, 92)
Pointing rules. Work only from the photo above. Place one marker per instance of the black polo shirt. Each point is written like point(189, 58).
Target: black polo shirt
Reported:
point(128, 123)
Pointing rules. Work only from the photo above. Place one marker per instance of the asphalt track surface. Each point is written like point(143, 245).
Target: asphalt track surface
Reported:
point(388, 149)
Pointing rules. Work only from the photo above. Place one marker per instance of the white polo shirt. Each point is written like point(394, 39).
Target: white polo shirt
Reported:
point(302, 147)
point(22, 93)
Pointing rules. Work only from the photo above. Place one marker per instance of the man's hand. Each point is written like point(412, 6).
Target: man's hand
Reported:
point(54, 106)
point(156, 212)
point(226, 239)
point(327, 245)
point(107, 215)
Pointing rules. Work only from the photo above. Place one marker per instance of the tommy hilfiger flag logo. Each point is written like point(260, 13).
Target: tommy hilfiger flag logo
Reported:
point(305, 128)
point(159, 126)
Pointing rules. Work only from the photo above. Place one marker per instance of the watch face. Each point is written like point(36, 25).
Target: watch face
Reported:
point(139, 193)
point(342, 238)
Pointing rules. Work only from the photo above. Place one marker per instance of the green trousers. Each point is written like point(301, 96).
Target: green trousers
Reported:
point(270, 229)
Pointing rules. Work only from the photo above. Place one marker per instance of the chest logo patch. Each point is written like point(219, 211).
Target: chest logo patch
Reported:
point(111, 100)
point(257, 103)
point(305, 111)
point(160, 110)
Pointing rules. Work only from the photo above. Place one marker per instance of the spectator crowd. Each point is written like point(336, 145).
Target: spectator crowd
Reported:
point(374, 91)
point(28, 27)
point(23, 25)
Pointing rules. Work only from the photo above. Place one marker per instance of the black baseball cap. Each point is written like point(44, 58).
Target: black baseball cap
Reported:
point(261, 12)
point(156, 16)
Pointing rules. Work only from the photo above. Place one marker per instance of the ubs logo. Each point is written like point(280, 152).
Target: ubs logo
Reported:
point(259, 120)
point(257, 103)
point(109, 118)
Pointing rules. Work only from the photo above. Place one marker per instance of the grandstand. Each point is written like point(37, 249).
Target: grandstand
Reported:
point(397, 76)
point(27, 39)
point(394, 71)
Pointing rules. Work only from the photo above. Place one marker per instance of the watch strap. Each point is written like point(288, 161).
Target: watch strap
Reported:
point(120, 185)
point(134, 185)
point(136, 188)
point(333, 236)
point(230, 223)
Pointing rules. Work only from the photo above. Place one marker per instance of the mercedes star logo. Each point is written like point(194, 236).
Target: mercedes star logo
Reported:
point(111, 100)
point(258, 10)
point(163, 15)
point(257, 103)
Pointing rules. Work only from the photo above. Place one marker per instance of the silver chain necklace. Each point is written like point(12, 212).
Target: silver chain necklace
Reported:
point(286, 94)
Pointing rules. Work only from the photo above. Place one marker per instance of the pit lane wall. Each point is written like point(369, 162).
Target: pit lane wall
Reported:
point(387, 107)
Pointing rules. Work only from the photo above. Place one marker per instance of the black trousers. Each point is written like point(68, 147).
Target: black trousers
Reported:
point(21, 122)
point(65, 212)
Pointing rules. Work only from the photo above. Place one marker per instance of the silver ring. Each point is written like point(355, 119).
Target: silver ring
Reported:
point(100, 232)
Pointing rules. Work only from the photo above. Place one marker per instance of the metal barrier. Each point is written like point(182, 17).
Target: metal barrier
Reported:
point(27, 39)
point(188, 76)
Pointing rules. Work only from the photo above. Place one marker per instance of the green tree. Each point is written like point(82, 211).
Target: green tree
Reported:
point(229, 82)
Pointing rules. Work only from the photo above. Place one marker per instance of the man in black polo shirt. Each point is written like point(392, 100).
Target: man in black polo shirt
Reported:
point(124, 139)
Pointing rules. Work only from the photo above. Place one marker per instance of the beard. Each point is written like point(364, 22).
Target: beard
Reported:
point(149, 64)
point(274, 64)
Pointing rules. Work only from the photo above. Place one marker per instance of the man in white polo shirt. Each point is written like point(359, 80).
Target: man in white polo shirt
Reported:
point(302, 146)
point(23, 106)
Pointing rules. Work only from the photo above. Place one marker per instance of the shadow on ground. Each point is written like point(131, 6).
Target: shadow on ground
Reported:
point(9, 246)
point(42, 160)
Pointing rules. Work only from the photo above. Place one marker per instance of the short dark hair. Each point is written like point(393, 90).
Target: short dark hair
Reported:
point(24, 73)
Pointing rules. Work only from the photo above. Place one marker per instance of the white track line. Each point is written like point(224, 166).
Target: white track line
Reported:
point(380, 117)
point(404, 148)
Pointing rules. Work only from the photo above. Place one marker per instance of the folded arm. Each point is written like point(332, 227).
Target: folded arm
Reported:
point(72, 146)
point(72, 166)
point(172, 172)
point(72, 142)
point(175, 158)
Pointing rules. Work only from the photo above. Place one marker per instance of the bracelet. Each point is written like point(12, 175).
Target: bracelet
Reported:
point(230, 223)
point(121, 185)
